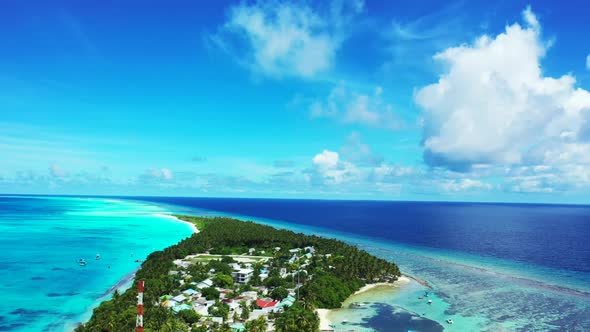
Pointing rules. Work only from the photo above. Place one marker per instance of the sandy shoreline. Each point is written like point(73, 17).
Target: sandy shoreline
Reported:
point(193, 227)
point(323, 313)
point(324, 321)
point(420, 281)
point(400, 281)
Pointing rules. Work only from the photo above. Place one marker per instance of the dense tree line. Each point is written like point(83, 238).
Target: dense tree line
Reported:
point(338, 270)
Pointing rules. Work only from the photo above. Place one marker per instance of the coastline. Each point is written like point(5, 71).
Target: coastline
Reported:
point(125, 282)
point(324, 321)
point(121, 286)
point(323, 314)
point(418, 280)
point(190, 224)
point(404, 279)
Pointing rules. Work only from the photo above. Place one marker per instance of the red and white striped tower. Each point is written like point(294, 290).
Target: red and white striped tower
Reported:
point(139, 321)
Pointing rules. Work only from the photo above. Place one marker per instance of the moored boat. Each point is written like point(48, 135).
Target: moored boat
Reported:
point(356, 305)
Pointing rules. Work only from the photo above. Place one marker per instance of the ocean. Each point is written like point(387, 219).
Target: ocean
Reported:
point(489, 267)
point(42, 239)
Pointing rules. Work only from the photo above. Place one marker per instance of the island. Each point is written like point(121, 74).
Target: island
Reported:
point(237, 275)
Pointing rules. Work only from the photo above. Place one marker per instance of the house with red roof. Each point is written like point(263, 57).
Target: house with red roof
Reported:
point(266, 303)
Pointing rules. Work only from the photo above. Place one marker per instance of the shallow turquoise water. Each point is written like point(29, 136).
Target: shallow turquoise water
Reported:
point(43, 287)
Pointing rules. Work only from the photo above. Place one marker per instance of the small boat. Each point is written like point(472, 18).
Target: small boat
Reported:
point(449, 321)
point(344, 321)
point(429, 301)
point(420, 298)
point(82, 262)
point(357, 305)
point(97, 256)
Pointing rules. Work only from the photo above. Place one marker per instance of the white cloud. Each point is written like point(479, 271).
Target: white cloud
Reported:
point(548, 179)
point(331, 170)
point(326, 160)
point(532, 185)
point(494, 106)
point(465, 185)
point(157, 175)
point(384, 171)
point(280, 39)
point(166, 173)
point(56, 171)
point(531, 19)
point(353, 107)
point(588, 62)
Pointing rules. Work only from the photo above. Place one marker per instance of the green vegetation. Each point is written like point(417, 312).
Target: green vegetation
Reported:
point(223, 280)
point(198, 221)
point(189, 316)
point(338, 270)
point(279, 293)
point(256, 325)
point(297, 319)
point(210, 293)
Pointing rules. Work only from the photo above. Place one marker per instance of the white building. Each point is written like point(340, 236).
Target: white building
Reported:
point(309, 249)
point(179, 298)
point(242, 276)
point(205, 283)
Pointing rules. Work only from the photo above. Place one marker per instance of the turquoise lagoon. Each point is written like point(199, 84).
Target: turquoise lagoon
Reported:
point(43, 287)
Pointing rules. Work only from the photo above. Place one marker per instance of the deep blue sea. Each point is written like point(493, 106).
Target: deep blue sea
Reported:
point(492, 267)
point(549, 235)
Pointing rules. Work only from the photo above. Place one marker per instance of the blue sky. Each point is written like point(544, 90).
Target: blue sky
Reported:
point(404, 100)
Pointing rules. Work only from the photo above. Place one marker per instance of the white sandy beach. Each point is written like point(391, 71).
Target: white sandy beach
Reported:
point(324, 321)
point(193, 227)
point(399, 282)
point(324, 313)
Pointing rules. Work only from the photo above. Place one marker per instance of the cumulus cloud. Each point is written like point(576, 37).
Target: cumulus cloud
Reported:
point(326, 160)
point(329, 169)
point(353, 107)
point(493, 105)
point(277, 38)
